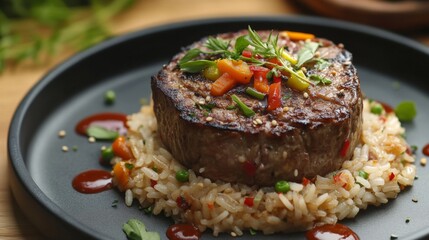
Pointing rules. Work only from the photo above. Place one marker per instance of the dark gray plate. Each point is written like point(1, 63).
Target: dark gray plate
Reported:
point(41, 173)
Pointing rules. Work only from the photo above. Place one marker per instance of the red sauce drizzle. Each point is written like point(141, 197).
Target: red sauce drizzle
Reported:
point(108, 120)
point(425, 150)
point(92, 181)
point(386, 107)
point(183, 232)
point(331, 232)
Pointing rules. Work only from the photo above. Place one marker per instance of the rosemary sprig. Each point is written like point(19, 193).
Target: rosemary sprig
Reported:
point(63, 23)
point(268, 49)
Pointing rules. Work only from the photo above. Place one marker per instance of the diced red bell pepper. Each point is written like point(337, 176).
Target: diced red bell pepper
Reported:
point(153, 183)
point(248, 201)
point(345, 148)
point(305, 181)
point(260, 81)
point(274, 96)
point(247, 53)
point(277, 79)
point(275, 61)
point(391, 176)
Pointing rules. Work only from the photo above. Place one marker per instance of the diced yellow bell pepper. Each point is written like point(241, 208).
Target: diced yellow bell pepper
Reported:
point(289, 57)
point(211, 73)
point(297, 83)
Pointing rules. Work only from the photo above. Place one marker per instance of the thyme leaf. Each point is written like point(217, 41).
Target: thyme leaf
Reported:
point(196, 66)
point(318, 79)
point(306, 53)
point(191, 54)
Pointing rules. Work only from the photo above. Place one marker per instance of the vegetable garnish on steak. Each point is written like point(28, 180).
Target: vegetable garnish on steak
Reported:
point(259, 107)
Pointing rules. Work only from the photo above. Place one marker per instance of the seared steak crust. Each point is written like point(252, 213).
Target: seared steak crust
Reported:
point(305, 138)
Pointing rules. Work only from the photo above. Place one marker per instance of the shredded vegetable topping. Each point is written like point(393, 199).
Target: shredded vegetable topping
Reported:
point(265, 62)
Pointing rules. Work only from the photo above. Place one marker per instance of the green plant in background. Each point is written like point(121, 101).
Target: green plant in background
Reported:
point(36, 29)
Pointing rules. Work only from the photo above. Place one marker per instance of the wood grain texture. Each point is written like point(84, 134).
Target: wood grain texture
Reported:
point(394, 15)
point(16, 82)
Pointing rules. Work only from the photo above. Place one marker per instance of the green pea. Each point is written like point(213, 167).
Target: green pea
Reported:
point(363, 174)
point(109, 97)
point(182, 176)
point(377, 109)
point(406, 111)
point(282, 186)
point(107, 154)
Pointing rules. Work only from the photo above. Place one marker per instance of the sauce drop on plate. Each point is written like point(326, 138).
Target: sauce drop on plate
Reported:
point(386, 107)
point(109, 120)
point(183, 232)
point(92, 181)
point(425, 150)
point(331, 232)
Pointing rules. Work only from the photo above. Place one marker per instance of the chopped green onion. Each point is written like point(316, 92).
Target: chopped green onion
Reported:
point(109, 97)
point(252, 232)
point(231, 107)
point(148, 210)
point(182, 176)
point(101, 133)
point(363, 174)
point(414, 149)
point(248, 112)
point(406, 111)
point(129, 166)
point(282, 186)
point(254, 93)
point(107, 154)
point(377, 109)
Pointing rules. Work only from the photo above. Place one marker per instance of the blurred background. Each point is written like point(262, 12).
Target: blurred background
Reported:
point(35, 35)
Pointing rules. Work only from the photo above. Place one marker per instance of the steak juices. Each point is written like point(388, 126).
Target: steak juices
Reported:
point(312, 129)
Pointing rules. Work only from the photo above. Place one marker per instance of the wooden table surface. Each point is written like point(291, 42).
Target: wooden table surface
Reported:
point(16, 82)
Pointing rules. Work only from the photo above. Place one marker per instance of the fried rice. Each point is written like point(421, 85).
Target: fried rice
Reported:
point(380, 168)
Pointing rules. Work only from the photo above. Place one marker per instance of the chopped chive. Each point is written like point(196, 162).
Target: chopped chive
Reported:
point(101, 133)
point(129, 166)
point(107, 154)
point(148, 210)
point(248, 112)
point(252, 232)
point(115, 203)
point(254, 93)
point(363, 174)
point(414, 149)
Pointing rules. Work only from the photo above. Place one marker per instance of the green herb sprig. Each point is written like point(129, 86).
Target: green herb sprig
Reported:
point(66, 24)
point(136, 230)
point(265, 49)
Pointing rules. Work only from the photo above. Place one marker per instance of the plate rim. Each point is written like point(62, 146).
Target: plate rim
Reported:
point(18, 169)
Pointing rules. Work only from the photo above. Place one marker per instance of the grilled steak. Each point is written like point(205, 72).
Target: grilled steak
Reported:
point(313, 132)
